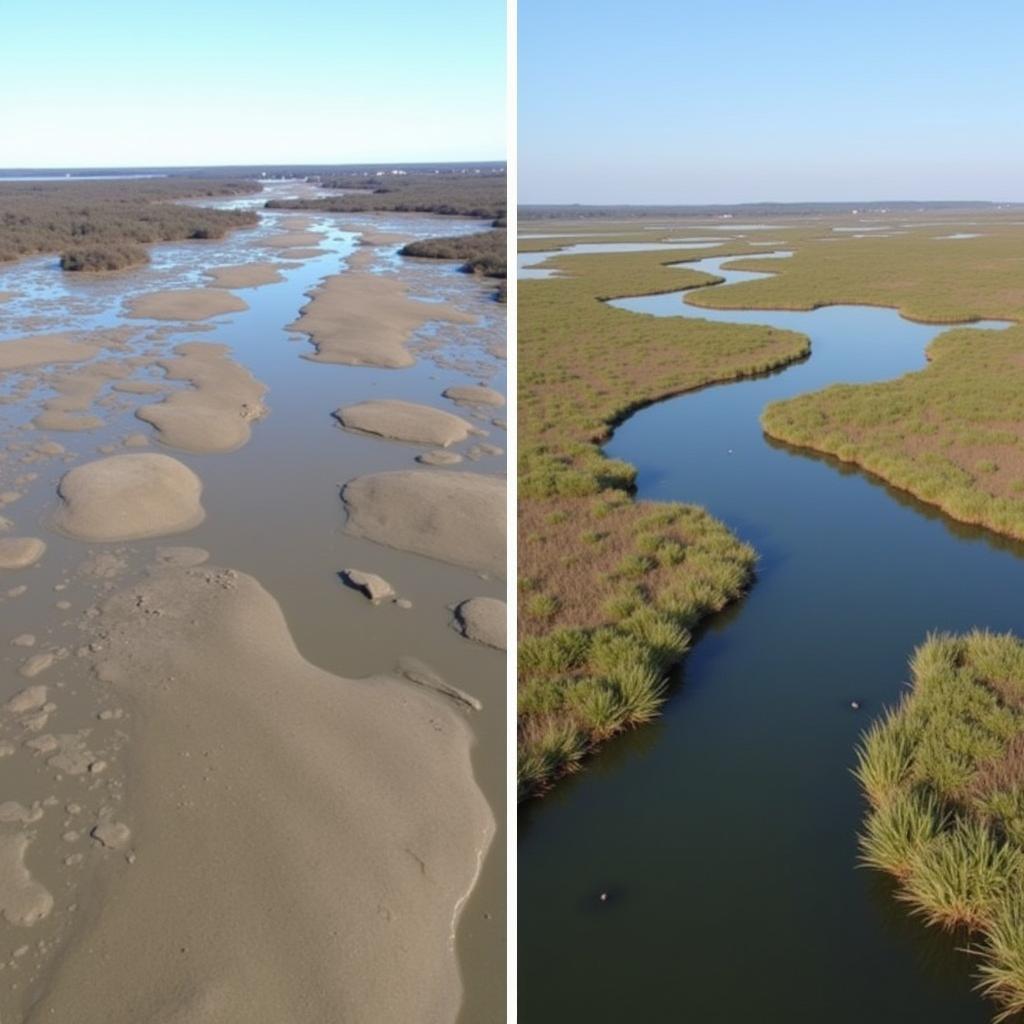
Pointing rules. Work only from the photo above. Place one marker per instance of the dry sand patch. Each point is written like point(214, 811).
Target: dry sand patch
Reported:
point(404, 421)
point(365, 319)
point(215, 414)
point(451, 516)
point(20, 552)
point(245, 275)
point(127, 497)
point(184, 304)
point(482, 619)
point(42, 350)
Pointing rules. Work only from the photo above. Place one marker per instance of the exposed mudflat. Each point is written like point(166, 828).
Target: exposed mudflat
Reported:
point(43, 350)
point(244, 275)
point(154, 750)
point(20, 552)
point(453, 517)
point(367, 319)
point(214, 414)
point(125, 497)
point(348, 806)
point(475, 396)
point(186, 304)
point(404, 421)
point(482, 619)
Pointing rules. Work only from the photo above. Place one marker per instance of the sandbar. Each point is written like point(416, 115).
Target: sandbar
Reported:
point(404, 421)
point(214, 414)
point(184, 304)
point(127, 497)
point(365, 319)
point(451, 516)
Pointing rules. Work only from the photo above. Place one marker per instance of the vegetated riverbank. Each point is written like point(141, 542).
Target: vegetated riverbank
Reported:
point(609, 588)
point(944, 776)
point(104, 225)
point(951, 434)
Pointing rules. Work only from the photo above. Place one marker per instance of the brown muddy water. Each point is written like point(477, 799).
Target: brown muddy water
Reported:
point(272, 510)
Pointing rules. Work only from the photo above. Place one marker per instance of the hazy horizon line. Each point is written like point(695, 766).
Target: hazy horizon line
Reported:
point(258, 163)
point(771, 202)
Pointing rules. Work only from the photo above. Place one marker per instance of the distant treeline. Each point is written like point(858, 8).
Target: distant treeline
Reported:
point(483, 253)
point(458, 194)
point(625, 212)
point(103, 225)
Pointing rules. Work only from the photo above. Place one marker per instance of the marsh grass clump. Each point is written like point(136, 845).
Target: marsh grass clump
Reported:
point(599, 662)
point(943, 773)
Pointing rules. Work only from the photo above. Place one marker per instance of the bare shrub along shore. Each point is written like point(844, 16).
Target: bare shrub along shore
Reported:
point(457, 194)
point(483, 253)
point(104, 225)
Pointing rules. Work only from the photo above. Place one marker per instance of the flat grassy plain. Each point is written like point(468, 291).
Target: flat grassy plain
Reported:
point(944, 776)
point(926, 277)
point(610, 588)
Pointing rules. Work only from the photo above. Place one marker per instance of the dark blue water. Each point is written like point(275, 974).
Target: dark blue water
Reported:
point(725, 833)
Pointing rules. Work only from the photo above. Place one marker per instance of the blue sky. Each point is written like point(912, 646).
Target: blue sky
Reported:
point(137, 82)
point(751, 100)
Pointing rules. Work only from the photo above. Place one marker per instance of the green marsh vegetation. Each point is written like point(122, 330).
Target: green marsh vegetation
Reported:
point(611, 588)
point(926, 277)
point(104, 225)
point(943, 773)
point(951, 434)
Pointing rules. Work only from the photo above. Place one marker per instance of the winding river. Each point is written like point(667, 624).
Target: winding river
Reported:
point(724, 834)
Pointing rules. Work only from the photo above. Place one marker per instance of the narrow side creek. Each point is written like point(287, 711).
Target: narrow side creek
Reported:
point(725, 833)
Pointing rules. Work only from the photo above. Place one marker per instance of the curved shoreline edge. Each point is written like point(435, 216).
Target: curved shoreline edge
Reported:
point(618, 670)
